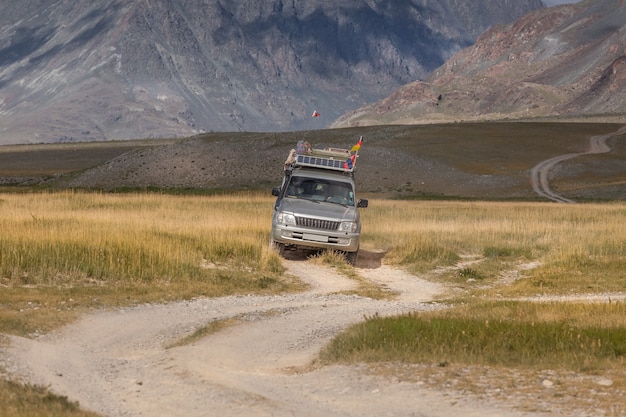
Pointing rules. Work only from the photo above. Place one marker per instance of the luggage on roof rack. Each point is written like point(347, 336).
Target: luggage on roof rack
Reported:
point(330, 158)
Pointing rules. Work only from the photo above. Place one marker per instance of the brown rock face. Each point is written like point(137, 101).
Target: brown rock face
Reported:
point(565, 61)
point(121, 69)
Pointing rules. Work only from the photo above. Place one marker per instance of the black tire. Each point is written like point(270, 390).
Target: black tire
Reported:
point(278, 247)
point(351, 257)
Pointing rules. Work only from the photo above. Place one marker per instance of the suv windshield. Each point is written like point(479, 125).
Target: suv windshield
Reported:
point(321, 190)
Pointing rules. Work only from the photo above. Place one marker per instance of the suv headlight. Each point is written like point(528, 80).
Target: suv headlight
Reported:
point(348, 227)
point(286, 218)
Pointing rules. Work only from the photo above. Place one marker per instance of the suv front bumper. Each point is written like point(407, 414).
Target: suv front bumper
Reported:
point(315, 239)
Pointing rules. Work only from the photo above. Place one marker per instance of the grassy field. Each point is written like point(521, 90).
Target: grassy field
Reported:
point(61, 158)
point(579, 248)
point(497, 254)
point(64, 253)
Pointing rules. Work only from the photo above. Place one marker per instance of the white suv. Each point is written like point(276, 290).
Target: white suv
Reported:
point(316, 207)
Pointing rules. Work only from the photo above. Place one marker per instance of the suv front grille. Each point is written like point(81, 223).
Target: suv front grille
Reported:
point(317, 223)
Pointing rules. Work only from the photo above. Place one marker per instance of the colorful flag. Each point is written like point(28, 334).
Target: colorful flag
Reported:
point(356, 147)
point(349, 164)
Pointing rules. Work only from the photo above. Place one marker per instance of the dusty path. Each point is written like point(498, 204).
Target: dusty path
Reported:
point(540, 173)
point(117, 362)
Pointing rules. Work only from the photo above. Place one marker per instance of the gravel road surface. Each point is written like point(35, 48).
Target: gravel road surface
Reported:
point(118, 363)
point(540, 173)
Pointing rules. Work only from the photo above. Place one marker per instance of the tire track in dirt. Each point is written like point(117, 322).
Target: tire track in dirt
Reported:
point(117, 363)
point(540, 173)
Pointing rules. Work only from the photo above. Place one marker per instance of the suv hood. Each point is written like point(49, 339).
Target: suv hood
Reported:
point(319, 209)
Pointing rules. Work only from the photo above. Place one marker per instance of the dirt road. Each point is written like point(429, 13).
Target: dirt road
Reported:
point(540, 173)
point(118, 364)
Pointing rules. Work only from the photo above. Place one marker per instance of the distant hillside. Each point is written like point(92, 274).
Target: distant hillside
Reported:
point(566, 61)
point(467, 160)
point(120, 69)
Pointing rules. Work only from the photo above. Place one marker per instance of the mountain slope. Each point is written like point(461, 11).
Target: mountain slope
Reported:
point(563, 61)
point(118, 69)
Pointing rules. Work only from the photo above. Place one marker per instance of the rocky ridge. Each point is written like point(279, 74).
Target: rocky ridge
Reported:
point(566, 61)
point(122, 69)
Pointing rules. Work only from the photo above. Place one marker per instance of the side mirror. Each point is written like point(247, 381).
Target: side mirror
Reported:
point(362, 203)
point(276, 191)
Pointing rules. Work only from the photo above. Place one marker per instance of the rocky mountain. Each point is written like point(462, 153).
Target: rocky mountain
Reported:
point(566, 61)
point(117, 69)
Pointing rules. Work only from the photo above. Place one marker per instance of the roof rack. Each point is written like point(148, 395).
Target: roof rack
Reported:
point(330, 158)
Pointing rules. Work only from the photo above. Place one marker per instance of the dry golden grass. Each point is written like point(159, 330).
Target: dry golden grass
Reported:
point(64, 252)
point(138, 237)
point(18, 400)
point(575, 248)
point(496, 256)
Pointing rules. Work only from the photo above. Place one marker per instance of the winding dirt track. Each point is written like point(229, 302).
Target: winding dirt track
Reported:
point(540, 173)
point(117, 362)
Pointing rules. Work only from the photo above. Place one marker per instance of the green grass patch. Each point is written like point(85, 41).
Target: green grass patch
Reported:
point(500, 334)
point(507, 252)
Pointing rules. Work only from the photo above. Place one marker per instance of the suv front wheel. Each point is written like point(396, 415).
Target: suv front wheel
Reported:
point(278, 247)
point(351, 257)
